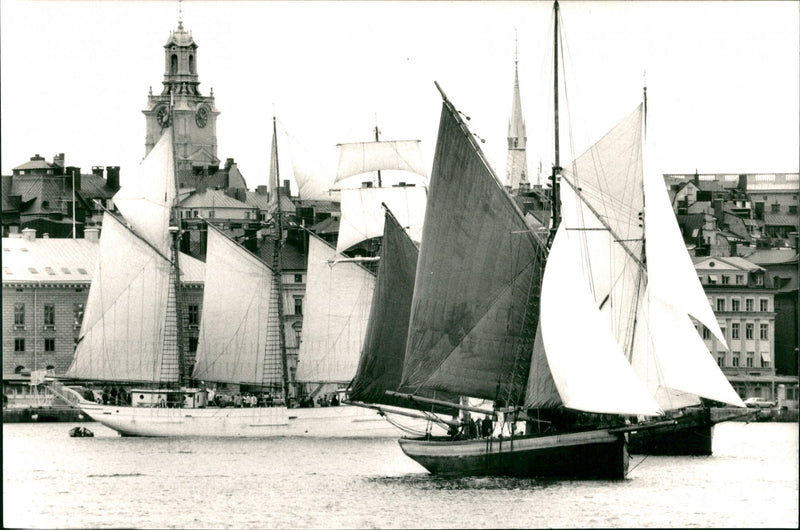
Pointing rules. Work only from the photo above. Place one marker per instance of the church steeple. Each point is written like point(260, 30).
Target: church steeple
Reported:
point(516, 162)
point(180, 63)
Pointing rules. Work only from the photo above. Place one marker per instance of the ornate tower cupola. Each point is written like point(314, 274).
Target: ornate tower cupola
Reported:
point(516, 162)
point(180, 104)
point(180, 63)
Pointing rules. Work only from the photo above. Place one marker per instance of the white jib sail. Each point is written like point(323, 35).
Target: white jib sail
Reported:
point(363, 157)
point(123, 335)
point(363, 215)
point(671, 275)
point(338, 301)
point(588, 366)
point(233, 331)
point(147, 198)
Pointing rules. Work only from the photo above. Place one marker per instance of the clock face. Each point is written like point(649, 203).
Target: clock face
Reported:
point(201, 118)
point(162, 116)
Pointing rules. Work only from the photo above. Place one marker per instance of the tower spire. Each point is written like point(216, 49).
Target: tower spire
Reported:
point(516, 162)
point(180, 14)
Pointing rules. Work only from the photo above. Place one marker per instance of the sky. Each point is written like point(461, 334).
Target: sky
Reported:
point(722, 78)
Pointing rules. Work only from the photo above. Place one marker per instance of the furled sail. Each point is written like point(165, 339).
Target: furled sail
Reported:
point(148, 198)
point(235, 344)
point(381, 365)
point(362, 212)
point(338, 300)
point(363, 157)
point(129, 329)
point(474, 310)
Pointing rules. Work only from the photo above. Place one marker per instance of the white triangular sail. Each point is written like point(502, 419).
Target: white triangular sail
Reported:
point(684, 362)
point(128, 331)
point(234, 344)
point(147, 198)
point(337, 301)
point(363, 215)
point(398, 155)
point(671, 275)
point(589, 368)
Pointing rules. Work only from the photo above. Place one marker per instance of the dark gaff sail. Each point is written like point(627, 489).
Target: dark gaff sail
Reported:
point(475, 305)
point(381, 363)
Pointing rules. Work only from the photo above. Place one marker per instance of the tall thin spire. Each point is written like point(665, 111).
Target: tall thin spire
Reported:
point(516, 162)
point(180, 14)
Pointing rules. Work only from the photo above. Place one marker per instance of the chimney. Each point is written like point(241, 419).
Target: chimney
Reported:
point(262, 190)
point(45, 236)
point(74, 172)
point(229, 163)
point(91, 234)
point(112, 177)
point(742, 182)
point(58, 160)
point(696, 178)
point(287, 189)
point(97, 171)
point(29, 234)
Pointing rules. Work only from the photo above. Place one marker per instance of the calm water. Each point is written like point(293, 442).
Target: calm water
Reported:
point(53, 481)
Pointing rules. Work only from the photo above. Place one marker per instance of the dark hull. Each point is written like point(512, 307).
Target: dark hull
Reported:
point(590, 455)
point(691, 436)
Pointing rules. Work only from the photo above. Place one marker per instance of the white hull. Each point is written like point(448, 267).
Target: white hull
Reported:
point(260, 422)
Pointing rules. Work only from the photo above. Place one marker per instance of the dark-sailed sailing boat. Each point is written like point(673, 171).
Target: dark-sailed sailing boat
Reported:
point(480, 287)
point(380, 367)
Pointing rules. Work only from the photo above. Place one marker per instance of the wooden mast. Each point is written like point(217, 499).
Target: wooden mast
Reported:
point(555, 200)
point(276, 266)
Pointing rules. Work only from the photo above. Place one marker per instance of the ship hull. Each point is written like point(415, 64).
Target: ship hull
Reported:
point(258, 422)
point(589, 454)
point(691, 435)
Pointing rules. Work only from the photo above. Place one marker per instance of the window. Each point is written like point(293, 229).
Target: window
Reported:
point(19, 315)
point(173, 64)
point(748, 331)
point(194, 315)
point(723, 330)
point(726, 280)
point(706, 333)
point(720, 304)
point(763, 332)
point(211, 214)
point(792, 209)
point(721, 360)
point(735, 330)
point(50, 345)
point(19, 345)
point(750, 358)
point(775, 208)
point(759, 279)
point(298, 305)
point(735, 303)
point(77, 315)
point(193, 344)
point(191, 64)
point(748, 305)
point(763, 304)
point(298, 278)
point(298, 332)
point(49, 316)
point(739, 279)
point(735, 359)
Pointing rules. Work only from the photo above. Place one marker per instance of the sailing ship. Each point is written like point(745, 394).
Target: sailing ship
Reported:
point(602, 335)
point(132, 335)
point(341, 280)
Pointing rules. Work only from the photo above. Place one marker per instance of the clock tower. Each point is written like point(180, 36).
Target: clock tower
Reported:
point(194, 116)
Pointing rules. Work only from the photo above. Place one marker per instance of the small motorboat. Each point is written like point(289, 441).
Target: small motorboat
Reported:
point(80, 432)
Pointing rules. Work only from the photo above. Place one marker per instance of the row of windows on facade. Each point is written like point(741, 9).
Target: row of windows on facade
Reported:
point(735, 360)
point(749, 330)
point(713, 279)
point(749, 304)
point(49, 315)
point(211, 214)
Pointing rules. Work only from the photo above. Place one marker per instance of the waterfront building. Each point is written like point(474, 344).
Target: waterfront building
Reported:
point(743, 299)
point(53, 198)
